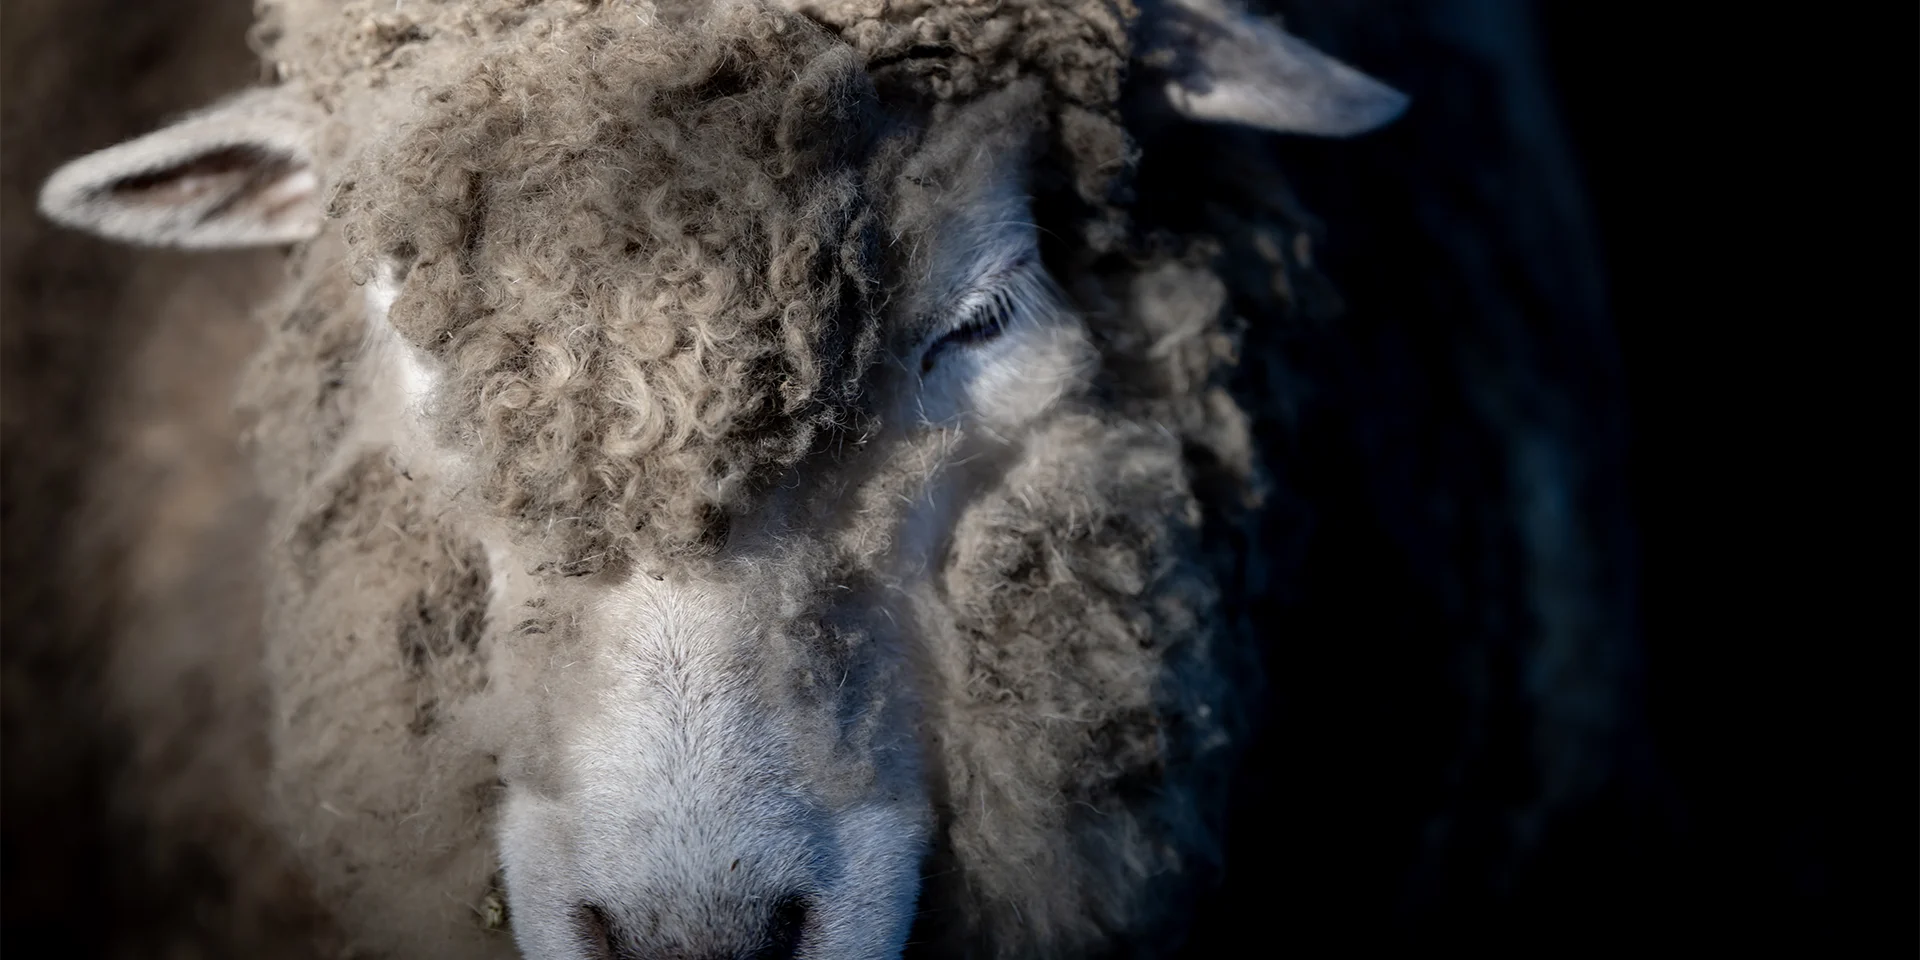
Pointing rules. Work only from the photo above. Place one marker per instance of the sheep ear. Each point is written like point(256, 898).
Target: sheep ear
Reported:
point(1223, 65)
point(239, 174)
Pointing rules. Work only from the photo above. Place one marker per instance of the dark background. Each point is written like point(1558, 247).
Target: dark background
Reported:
point(1752, 181)
point(1748, 188)
point(1689, 249)
point(1689, 257)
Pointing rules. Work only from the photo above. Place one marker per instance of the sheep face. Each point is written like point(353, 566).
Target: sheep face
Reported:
point(728, 756)
point(710, 668)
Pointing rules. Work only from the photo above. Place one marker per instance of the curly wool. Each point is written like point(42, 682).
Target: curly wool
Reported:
point(1091, 711)
point(644, 264)
point(932, 52)
point(956, 50)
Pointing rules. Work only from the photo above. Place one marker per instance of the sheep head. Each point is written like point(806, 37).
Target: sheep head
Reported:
point(819, 555)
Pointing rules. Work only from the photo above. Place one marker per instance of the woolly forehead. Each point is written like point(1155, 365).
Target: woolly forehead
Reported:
point(656, 185)
point(653, 268)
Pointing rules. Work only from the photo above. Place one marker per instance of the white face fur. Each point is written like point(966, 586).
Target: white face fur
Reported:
point(668, 792)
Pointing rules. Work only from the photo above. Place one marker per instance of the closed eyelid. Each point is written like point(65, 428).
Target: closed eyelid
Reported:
point(995, 303)
point(1017, 284)
point(985, 321)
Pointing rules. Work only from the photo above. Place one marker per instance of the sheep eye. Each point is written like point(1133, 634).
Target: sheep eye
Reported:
point(986, 320)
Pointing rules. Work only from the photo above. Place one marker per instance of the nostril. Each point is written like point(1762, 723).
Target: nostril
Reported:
point(595, 931)
point(780, 939)
point(785, 927)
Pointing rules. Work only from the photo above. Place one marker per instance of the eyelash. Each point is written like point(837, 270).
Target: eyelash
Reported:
point(987, 319)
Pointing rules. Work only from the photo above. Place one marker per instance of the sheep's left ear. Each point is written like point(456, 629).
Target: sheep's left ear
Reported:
point(239, 174)
point(1220, 64)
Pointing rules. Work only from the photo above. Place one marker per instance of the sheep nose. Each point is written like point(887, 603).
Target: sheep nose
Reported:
point(785, 926)
point(779, 938)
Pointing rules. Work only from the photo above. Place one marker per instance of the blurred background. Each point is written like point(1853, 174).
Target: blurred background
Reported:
point(1591, 643)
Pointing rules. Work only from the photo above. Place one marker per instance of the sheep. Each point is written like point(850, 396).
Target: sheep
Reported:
point(746, 481)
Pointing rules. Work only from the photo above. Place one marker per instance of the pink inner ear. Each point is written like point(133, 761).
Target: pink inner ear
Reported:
point(230, 171)
point(287, 193)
